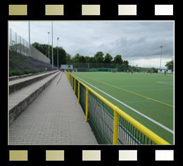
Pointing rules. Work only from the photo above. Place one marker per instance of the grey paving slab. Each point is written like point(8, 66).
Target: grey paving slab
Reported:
point(53, 118)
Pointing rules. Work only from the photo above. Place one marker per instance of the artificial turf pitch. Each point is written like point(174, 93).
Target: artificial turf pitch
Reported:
point(151, 95)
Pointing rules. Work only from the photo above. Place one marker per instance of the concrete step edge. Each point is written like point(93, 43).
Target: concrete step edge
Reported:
point(23, 84)
point(21, 106)
point(11, 78)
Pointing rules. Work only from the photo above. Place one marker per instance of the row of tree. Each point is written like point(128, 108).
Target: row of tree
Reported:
point(99, 57)
point(65, 58)
point(47, 51)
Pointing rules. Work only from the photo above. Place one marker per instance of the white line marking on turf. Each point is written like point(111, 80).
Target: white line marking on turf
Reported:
point(152, 120)
point(163, 83)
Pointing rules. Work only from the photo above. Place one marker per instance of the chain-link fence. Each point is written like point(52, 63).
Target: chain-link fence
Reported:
point(101, 119)
point(20, 45)
point(110, 124)
point(110, 67)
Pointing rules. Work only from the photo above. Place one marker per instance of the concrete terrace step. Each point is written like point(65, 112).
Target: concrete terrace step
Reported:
point(53, 118)
point(20, 100)
point(20, 83)
point(11, 78)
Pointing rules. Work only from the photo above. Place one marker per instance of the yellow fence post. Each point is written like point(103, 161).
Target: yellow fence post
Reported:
point(72, 81)
point(86, 105)
point(70, 78)
point(118, 112)
point(74, 86)
point(78, 91)
point(115, 132)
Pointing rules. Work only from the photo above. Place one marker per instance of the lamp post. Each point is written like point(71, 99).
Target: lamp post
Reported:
point(57, 53)
point(48, 44)
point(52, 44)
point(161, 56)
point(29, 38)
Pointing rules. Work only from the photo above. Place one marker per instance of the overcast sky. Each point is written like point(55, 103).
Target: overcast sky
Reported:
point(137, 42)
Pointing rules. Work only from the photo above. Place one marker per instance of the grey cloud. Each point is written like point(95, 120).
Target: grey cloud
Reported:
point(131, 39)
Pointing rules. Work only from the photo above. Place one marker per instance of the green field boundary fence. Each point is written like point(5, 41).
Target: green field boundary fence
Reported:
point(109, 67)
point(110, 124)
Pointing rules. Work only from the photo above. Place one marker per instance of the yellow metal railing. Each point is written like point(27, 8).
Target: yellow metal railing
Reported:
point(117, 112)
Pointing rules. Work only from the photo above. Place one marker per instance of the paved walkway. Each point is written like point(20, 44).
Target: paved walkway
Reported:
point(54, 118)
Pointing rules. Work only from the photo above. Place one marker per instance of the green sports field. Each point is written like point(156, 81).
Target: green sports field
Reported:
point(146, 97)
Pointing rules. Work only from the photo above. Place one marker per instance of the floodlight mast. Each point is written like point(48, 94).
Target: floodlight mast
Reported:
point(48, 45)
point(57, 53)
point(52, 44)
point(29, 38)
point(161, 56)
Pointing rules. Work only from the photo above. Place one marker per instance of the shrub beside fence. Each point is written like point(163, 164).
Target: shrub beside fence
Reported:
point(110, 124)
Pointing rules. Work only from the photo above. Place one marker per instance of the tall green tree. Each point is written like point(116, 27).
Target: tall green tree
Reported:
point(82, 59)
point(99, 57)
point(92, 60)
point(76, 58)
point(118, 59)
point(87, 59)
point(169, 65)
point(68, 58)
point(108, 58)
point(43, 48)
point(125, 64)
point(61, 56)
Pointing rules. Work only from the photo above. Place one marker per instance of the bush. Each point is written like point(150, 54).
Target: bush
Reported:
point(20, 64)
point(15, 73)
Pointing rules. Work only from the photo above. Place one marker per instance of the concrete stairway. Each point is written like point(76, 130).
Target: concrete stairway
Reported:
point(54, 118)
point(24, 90)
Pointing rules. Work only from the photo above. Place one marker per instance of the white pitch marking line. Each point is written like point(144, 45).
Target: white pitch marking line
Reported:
point(163, 83)
point(152, 120)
